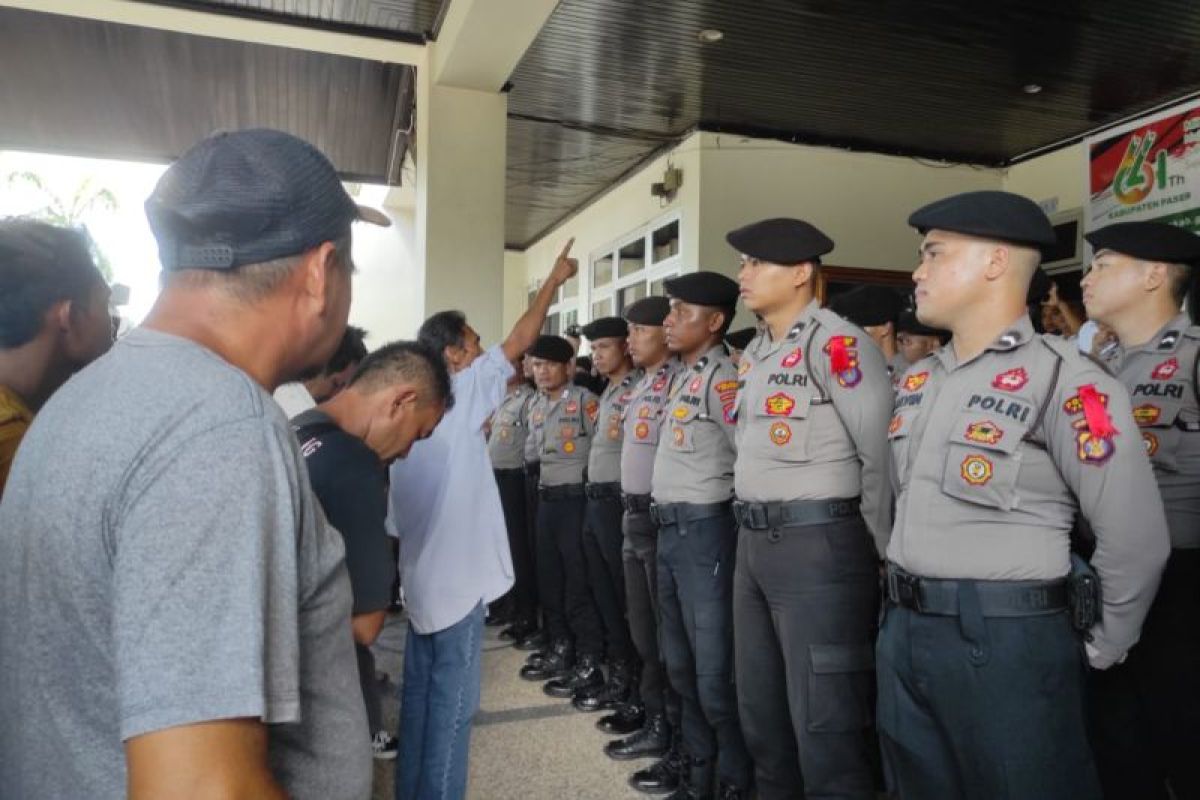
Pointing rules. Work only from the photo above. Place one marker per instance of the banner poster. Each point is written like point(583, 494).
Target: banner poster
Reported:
point(1146, 170)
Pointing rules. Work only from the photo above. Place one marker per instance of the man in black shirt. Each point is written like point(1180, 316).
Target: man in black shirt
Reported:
point(396, 397)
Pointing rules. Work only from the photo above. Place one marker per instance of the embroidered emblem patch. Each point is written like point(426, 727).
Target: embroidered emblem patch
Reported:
point(592, 409)
point(984, 432)
point(1011, 380)
point(680, 412)
point(505, 434)
point(780, 433)
point(659, 385)
point(792, 358)
point(976, 470)
point(1166, 370)
point(1151, 442)
point(696, 384)
point(572, 407)
point(641, 430)
point(780, 404)
point(567, 432)
point(1146, 414)
point(727, 388)
point(895, 424)
point(1091, 449)
point(1074, 405)
point(744, 366)
point(677, 435)
point(850, 378)
point(568, 447)
point(914, 382)
point(843, 360)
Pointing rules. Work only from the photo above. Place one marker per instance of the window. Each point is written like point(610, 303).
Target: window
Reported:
point(602, 308)
point(631, 258)
point(633, 267)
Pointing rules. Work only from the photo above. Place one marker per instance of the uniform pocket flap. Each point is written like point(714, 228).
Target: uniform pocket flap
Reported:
point(1156, 414)
point(685, 411)
point(834, 658)
point(783, 404)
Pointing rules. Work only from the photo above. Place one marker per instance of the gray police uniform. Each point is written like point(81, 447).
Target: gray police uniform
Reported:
point(812, 452)
point(644, 418)
point(980, 675)
point(1146, 711)
point(692, 488)
point(506, 448)
point(568, 423)
point(603, 538)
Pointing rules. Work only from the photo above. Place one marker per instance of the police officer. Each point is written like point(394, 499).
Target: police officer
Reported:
point(914, 341)
point(657, 714)
point(568, 422)
point(736, 342)
point(875, 309)
point(533, 417)
point(506, 448)
point(1146, 711)
point(812, 487)
point(602, 534)
point(997, 440)
point(693, 490)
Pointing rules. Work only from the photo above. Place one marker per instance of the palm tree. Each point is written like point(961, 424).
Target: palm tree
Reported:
point(70, 212)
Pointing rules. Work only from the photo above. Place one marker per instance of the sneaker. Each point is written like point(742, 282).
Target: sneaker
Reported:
point(384, 746)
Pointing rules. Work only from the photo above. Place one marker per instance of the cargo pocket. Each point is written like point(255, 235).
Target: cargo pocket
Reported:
point(983, 459)
point(1160, 436)
point(778, 426)
point(841, 680)
point(681, 424)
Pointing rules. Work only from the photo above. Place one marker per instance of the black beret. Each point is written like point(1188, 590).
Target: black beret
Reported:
point(868, 305)
point(552, 348)
point(1039, 287)
point(606, 327)
point(704, 289)
point(1151, 241)
point(780, 241)
point(988, 214)
point(908, 323)
point(740, 338)
point(649, 311)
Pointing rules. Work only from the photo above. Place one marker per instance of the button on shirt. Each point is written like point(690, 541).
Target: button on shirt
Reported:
point(988, 457)
point(446, 508)
point(604, 461)
point(694, 463)
point(808, 432)
point(566, 433)
point(644, 418)
point(1161, 378)
point(506, 444)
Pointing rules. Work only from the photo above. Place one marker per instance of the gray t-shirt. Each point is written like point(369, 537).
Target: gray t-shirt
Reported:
point(163, 561)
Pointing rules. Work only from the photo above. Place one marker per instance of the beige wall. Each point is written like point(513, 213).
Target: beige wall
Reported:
point(1061, 174)
point(389, 281)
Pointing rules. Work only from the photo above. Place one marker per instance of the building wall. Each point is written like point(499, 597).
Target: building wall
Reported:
point(1061, 176)
point(389, 298)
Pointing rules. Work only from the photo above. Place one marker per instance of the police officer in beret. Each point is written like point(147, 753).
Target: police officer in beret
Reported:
point(1146, 711)
point(653, 716)
point(812, 487)
point(736, 341)
point(875, 309)
point(914, 341)
point(568, 415)
point(603, 538)
point(697, 542)
point(997, 440)
point(533, 417)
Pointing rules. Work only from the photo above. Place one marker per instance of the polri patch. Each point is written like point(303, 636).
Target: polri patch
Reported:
point(914, 382)
point(1011, 380)
point(792, 359)
point(984, 432)
point(1146, 414)
point(780, 404)
point(1166, 370)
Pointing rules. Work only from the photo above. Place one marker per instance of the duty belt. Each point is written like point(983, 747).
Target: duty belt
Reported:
point(512, 471)
point(564, 492)
point(636, 503)
point(598, 491)
point(763, 516)
point(996, 598)
point(679, 513)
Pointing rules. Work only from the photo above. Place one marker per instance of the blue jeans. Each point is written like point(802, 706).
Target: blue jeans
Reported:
point(437, 703)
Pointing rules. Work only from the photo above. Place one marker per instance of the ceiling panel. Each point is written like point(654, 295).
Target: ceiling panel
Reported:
point(407, 19)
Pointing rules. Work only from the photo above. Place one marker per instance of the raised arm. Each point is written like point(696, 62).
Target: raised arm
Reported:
point(526, 331)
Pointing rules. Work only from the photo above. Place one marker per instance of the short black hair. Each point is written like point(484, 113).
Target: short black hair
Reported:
point(40, 265)
point(352, 349)
point(444, 329)
point(405, 361)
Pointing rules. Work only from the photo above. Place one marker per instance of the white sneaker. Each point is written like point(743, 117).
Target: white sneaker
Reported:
point(384, 746)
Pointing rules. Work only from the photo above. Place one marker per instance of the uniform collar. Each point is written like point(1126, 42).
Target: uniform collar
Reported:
point(766, 345)
point(714, 353)
point(1016, 335)
point(1166, 340)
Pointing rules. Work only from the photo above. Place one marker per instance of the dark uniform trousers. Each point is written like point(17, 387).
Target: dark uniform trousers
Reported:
point(523, 595)
point(695, 589)
point(1145, 712)
point(533, 474)
point(983, 708)
point(602, 548)
point(640, 553)
point(562, 571)
point(805, 605)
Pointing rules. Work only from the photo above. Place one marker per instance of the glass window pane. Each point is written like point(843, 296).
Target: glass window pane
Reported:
point(569, 318)
point(570, 289)
point(630, 295)
point(602, 308)
point(550, 328)
point(602, 270)
point(666, 241)
point(658, 288)
point(631, 258)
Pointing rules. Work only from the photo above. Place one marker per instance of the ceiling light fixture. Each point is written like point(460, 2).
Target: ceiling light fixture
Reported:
point(1031, 88)
point(710, 36)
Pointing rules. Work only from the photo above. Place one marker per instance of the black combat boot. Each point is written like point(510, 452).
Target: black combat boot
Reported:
point(697, 783)
point(629, 718)
point(664, 775)
point(612, 694)
point(532, 641)
point(730, 792)
point(557, 663)
point(654, 739)
point(587, 673)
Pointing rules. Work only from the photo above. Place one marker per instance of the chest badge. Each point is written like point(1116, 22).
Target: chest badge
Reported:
point(976, 470)
point(677, 436)
point(1011, 380)
point(1074, 404)
point(572, 407)
point(914, 382)
point(695, 385)
point(680, 412)
point(984, 432)
point(780, 404)
point(644, 412)
point(1166, 370)
point(1146, 414)
point(568, 447)
point(843, 360)
point(895, 424)
point(1090, 448)
point(1151, 442)
point(792, 358)
point(744, 366)
point(641, 430)
point(780, 433)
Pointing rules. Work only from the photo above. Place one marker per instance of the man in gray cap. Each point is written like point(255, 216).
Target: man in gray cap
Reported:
point(1146, 711)
point(812, 487)
point(997, 441)
point(693, 493)
point(175, 608)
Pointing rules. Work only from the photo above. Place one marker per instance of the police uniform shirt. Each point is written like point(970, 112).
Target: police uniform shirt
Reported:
point(566, 435)
point(812, 418)
point(644, 417)
point(1161, 378)
point(604, 462)
point(896, 368)
point(535, 419)
point(694, 461)
point(506, 445)
point(985, 490)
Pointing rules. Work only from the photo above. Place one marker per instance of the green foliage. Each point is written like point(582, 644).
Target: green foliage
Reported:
point(69, 211)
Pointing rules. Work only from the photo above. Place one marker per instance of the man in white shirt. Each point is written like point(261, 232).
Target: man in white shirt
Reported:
point(454, 555)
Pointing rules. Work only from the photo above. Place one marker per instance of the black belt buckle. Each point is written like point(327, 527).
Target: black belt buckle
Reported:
point(656, 514)
point(751, 515)
point(905, 590)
